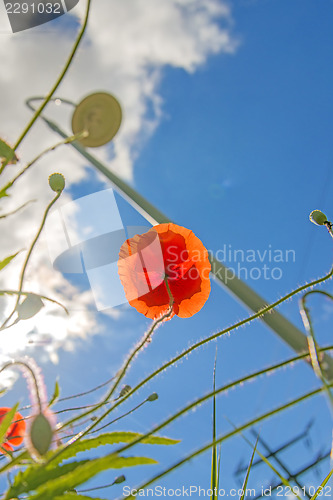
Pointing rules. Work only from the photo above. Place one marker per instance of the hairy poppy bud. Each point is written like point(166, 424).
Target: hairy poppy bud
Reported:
point(125, 390)
point(57, 182)
point(318, 218)
point(40, 434)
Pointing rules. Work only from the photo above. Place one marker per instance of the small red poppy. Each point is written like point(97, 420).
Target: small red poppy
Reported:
point(15, 432)
point(171, 252)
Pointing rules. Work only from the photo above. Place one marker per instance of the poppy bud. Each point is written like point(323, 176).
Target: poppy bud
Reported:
point(318, 218)
point(57, 182)
point(125, 390)
point(119, 480)
point(153, 397)
point(30, 306)
point(40, 434)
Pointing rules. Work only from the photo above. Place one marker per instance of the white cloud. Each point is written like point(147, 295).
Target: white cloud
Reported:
point(125, 48)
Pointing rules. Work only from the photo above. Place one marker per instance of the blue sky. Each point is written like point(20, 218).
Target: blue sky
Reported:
point(241, 155)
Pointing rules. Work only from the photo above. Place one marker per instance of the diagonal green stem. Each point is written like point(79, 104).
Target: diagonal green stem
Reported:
point(48, 208)
point(222, 438)
point(55, 86)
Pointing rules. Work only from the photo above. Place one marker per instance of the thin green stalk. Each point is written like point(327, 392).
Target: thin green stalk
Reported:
point(16, 209)
point(43, 297)
point(205, 341)
point(214, 470)
point(68, 140)
point(312, 342)
point(222, 438)
point(244, 487)
point(48, 208)
point(222, 389)
point(55, 86)
point(143, 342)
point(122, 372)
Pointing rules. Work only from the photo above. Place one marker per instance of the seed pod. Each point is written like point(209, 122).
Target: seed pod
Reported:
point(57, 182)
point(318, 218)
point(153, 397)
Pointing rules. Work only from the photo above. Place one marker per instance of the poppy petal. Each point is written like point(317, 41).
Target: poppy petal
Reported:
point(171, 251)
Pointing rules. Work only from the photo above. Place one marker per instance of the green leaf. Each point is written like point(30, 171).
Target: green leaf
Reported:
point(6, 422)
point(214, 482)
point(55, 395)
point(68, 476)
point(111, 438)
point(248, 470)
point(31, 478)
point(76, 496)
point(7, 260)
point(3, 192)
point(7, 153)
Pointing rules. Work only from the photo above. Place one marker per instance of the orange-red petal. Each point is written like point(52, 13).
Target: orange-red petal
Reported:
point(16, 430)
point(176, 254)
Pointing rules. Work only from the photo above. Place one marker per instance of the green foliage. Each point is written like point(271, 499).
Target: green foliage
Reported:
point(214, 483)
point(248, 471)
point(7, 153)
point(47, 481)
point(110, 438)
point(76, 496)
point(7, 260)
point(6, 422)
point(55, 395)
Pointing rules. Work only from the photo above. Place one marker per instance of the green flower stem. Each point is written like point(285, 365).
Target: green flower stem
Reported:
point(313, 346)
point(16, 209)
point(38, 157)
point(122, 372)
point(288, 332)
point(48, 208)
point(201, 343)
point(220, 439)
point(55, 86)
point(26, 366)
point(329, 227)
point(43, 297)
point(146, 338)
point(193, 404)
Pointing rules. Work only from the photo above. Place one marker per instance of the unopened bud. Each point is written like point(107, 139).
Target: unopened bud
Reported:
point(125, 390)
point(318, 218)
point(153, 397)
point(40, 435)
point(119, 480)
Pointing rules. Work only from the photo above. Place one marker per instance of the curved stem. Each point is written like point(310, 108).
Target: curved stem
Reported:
point(43, 297)
point(39, 156)
point(200, 344)
point(26, 366)
point(48, 208)
point(312, 342)
point(55, 86)
point(219, 439)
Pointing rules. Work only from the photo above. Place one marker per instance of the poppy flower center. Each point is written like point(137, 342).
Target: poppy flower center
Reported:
point(178, 271)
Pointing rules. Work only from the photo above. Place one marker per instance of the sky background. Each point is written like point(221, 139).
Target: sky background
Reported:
point(227, 130)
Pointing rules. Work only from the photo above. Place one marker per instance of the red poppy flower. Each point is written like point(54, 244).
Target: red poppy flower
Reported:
point(15, 432)
point(171, 252)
